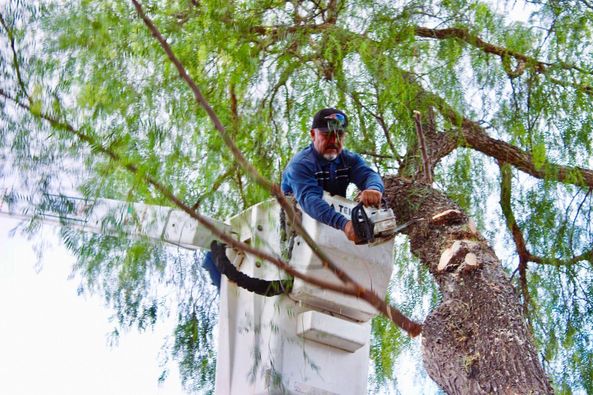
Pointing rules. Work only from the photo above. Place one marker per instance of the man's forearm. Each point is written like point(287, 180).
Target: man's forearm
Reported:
point(320, 210)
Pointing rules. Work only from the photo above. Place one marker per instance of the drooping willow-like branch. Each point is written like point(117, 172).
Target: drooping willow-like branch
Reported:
point(380, 120)
point(15, 59)
point(135, 170)
point(476, 138)
point(524, 255)
point(507, 210)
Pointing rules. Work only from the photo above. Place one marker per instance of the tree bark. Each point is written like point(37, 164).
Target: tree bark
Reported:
point(477, 340)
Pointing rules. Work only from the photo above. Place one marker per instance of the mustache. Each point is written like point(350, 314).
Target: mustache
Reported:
point(332, 146)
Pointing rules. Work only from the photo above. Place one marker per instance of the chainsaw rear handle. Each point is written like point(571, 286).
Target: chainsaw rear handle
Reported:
point(364, 229)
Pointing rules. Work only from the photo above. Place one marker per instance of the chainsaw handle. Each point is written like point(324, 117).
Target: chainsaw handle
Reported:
point(362, 225)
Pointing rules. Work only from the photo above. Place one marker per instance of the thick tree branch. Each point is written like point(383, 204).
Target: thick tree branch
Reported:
point(502, 52)
point(476, 138)
point(474, 40)
point(463, 34)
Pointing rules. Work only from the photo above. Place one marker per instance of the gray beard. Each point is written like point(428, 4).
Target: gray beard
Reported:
point(330, 157)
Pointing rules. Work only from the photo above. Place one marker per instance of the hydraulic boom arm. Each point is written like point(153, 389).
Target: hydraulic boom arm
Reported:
point(107, 216)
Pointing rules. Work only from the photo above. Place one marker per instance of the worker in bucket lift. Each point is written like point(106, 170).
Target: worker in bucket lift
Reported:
point(326, 166)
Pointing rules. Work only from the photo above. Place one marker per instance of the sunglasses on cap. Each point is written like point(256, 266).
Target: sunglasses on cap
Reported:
point(336, 122)
point(335, 125)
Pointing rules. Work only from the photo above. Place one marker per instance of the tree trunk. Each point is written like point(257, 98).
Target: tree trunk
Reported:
point(476, 341)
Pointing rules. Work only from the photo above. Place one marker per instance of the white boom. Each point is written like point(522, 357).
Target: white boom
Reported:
point(107, 216)
point(310, 341)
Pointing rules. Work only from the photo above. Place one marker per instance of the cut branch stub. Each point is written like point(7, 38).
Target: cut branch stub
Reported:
point(459, 256)
point(469, 263)
point(448, 217)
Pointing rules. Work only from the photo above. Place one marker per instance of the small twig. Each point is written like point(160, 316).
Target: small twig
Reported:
point(215, 185)
point(524, 255)
point(375, 155)
point(381, 122)
point(423, 150)
point(15, 60)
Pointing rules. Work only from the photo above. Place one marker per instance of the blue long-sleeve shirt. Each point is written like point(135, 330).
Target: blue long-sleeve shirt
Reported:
point(308, 174)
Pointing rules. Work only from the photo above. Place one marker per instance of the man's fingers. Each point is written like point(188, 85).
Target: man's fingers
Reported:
point(349, 231)
point(370, 197)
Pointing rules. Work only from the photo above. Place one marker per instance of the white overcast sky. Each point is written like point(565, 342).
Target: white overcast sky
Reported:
point(55, 342)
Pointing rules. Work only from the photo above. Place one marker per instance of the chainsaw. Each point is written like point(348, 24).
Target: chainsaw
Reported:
point(371, 225)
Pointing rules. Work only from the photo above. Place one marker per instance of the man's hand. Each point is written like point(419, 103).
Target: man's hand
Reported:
point(370, 197)
point(349, 231)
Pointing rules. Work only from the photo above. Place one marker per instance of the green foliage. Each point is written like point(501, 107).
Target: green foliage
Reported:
point(265, 67)
point(414, 292)
point(193, 346)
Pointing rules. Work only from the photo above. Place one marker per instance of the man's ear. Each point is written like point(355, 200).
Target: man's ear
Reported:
point(312, 134)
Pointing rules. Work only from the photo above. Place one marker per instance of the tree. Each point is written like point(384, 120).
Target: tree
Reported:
point(502, 110)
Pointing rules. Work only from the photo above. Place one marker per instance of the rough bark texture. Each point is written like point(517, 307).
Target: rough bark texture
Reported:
point(477, 340)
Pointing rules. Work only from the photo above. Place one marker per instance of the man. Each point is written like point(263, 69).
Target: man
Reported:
point(325, 166)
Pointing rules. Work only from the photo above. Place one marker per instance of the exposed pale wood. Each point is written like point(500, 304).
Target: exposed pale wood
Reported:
point(447, 217)
point(448, 255)
point(453, 255)
point(470, 262)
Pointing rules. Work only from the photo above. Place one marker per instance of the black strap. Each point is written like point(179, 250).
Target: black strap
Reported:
point(363, 226)
point(256, 285)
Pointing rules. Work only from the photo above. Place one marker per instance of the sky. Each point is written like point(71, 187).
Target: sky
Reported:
point(53, 341)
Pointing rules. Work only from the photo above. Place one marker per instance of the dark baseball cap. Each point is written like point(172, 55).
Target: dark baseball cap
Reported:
point(330, 119)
